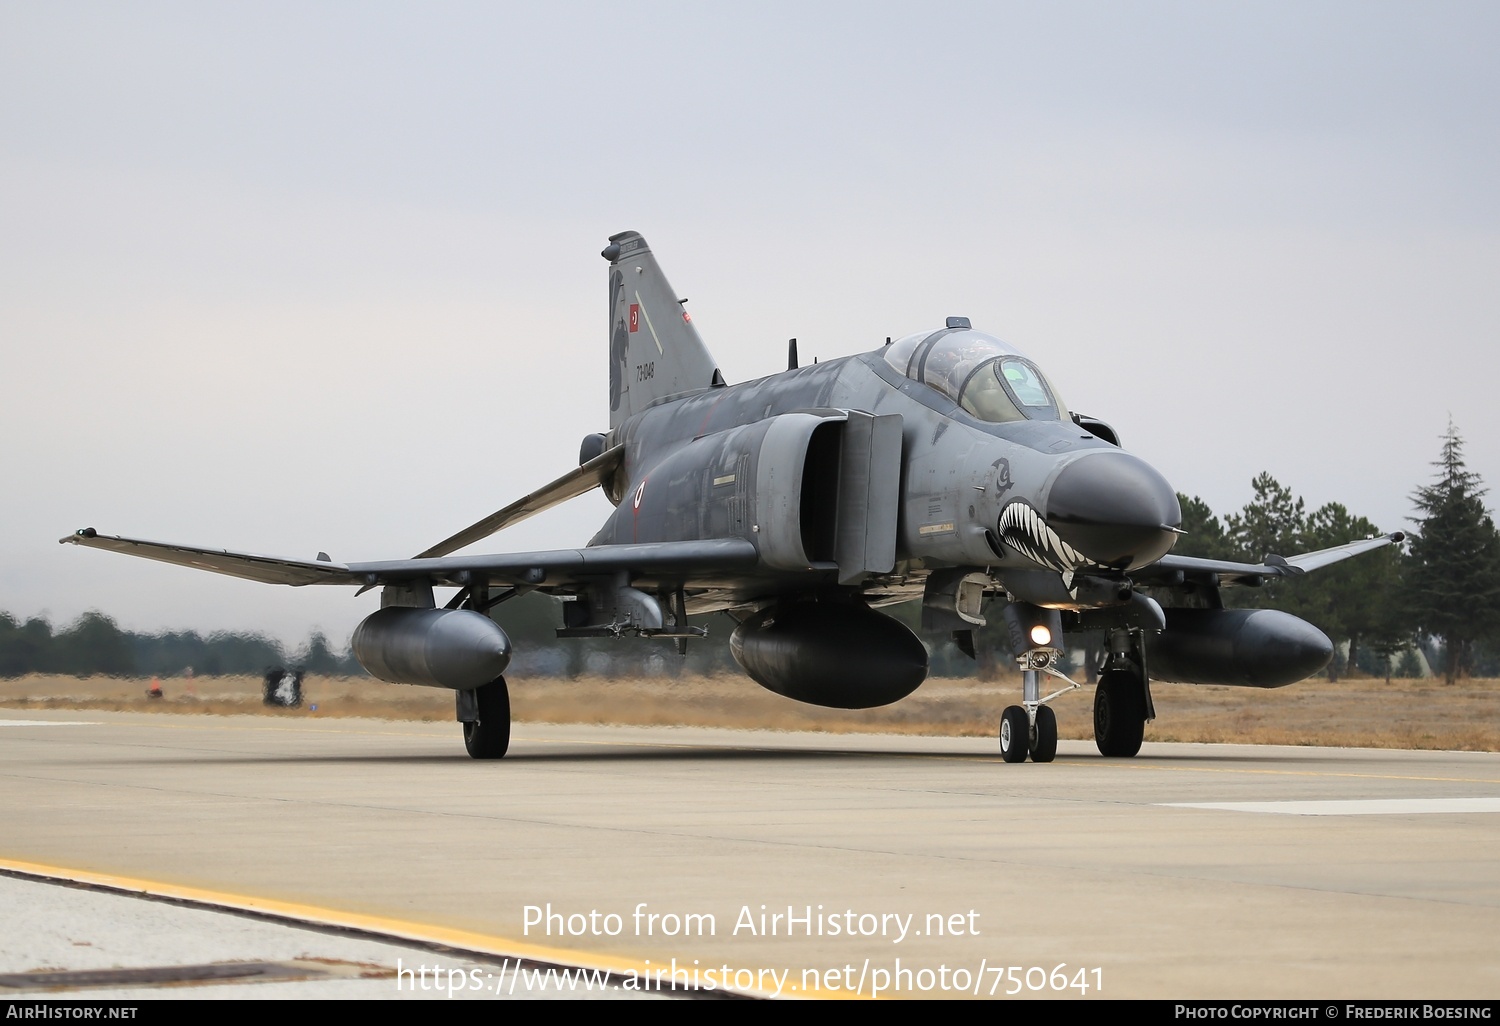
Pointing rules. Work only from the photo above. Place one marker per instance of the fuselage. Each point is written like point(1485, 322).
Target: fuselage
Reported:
point(760, 460)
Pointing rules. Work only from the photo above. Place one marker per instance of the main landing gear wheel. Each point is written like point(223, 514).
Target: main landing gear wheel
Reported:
point(489, 736)
point(1044, 735)
point(1015, 734)
point(1119, 714)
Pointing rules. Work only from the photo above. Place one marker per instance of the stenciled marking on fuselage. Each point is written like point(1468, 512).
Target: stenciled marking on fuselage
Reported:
point(947, 528)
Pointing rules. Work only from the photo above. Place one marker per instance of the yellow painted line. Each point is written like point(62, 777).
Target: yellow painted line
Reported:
point(429, 933)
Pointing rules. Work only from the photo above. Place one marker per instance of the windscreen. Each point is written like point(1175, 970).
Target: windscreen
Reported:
point(988, 378)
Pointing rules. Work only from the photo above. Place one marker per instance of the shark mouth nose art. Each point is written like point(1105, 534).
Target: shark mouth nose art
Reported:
point(1023, 529)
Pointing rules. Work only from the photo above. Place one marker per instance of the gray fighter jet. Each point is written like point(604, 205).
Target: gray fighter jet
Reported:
point(942, 466)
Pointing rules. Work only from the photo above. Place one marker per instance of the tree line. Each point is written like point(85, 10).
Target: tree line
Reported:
point(1439, 595)
point(95, 644)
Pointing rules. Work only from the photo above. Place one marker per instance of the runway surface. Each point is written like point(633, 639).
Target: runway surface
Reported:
point(795, 863)
point(72, 944)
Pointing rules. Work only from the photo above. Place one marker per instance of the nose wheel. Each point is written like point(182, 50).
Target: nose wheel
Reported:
point(1044, 735)
point(1031, 727)
point(1015, 734)
point(1023, 734)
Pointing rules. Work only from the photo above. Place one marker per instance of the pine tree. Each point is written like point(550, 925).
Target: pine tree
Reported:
point(1453, 580)
point(1203, 534)
point(1271, 523)
point(1274, 522)
point(1356, 601)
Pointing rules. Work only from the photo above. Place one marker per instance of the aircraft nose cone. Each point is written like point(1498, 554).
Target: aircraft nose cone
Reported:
point(1114, 509)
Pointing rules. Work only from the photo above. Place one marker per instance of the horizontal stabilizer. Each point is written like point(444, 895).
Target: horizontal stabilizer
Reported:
point(571, 485)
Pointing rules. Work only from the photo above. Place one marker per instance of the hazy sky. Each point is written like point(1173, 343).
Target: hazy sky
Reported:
point(291, 277)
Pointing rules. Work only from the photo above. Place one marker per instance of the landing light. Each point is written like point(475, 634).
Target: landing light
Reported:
point(1040, 635)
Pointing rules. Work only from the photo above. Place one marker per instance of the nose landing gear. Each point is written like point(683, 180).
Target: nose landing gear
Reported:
point(1031, 727)
point(1122, 701)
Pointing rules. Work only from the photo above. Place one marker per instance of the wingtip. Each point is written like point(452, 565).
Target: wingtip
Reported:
point(83, 532)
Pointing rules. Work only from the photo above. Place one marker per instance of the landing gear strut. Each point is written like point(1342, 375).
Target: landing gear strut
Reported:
point(1031, 728)
point(1122, 701)
point(485, 714)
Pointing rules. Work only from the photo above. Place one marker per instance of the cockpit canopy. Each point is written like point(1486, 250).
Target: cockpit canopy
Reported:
point(989, 379)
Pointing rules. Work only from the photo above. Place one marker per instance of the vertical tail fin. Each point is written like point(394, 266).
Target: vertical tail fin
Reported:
point(654, 350)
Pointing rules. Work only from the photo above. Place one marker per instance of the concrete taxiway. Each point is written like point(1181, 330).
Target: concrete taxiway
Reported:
point(793, 863)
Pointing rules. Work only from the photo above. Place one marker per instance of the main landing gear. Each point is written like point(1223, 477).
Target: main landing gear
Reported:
point(485, 714)
point(1119, 713)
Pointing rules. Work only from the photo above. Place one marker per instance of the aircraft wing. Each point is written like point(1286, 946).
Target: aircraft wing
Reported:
point(1323, 557)
point(251, 567)
point(1173, 569)
point(690, 560)
point(685, 559)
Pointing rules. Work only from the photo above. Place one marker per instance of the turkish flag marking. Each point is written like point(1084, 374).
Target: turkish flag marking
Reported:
point(635, 317)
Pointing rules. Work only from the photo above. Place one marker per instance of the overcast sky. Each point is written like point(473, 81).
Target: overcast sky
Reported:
point(291, 277)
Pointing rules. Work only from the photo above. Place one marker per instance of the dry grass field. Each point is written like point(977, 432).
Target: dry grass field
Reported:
point(1359, 712)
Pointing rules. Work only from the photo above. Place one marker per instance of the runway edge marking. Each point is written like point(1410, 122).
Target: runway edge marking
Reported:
point(294, 912)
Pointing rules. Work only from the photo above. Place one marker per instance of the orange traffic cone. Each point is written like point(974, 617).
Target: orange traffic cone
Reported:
point(154, 691)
